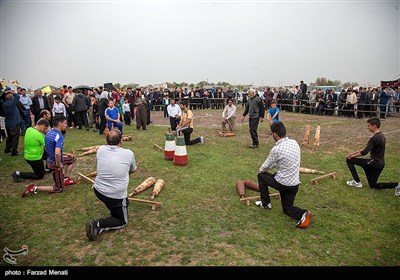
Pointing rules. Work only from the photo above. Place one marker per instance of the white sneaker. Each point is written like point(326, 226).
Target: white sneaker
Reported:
point(259, 204)
point(397, 190)
point(202, 139)
point(353, 183)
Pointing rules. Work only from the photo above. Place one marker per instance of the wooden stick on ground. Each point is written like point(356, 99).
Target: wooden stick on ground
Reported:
point(93, 151)
point(315, 180)
point(88, 148)
point(310, 171)
point(247, 201)
point(158, 147)
point(86, 178)
point(277, 195)
point(154, 204)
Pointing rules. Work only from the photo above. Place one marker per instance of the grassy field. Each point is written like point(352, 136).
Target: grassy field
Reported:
point(201, 221)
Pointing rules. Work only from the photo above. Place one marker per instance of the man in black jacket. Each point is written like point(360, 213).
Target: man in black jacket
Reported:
point(101, 107)
point(39, 103)
point(12, 121)
point(80, 105)
point(256, 110)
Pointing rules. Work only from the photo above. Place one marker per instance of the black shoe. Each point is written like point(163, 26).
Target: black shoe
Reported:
point(7, 151)
point(92, 230)
point(253, 146)
point(15, 177)
point(15, 154)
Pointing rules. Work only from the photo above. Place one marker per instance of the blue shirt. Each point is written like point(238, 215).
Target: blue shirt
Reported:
point(53, 139)
point(272, 112)
point(112, 113)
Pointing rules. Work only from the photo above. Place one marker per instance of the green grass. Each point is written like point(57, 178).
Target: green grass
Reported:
point(201, 221)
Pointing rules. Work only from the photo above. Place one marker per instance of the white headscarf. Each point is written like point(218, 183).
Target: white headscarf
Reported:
point(104, 94)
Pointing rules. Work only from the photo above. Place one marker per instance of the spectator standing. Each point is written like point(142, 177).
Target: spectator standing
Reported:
point(26, 102)
point(13, 121)
point(255, 110)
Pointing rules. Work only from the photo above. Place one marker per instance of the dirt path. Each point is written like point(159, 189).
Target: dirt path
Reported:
point(335, 131)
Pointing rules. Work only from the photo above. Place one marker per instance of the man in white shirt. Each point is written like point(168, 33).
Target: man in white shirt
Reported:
point(26, 101)
point(174, 113)
point(229, 116)
point(114, 165)
point(58, 107)
point(285, 157)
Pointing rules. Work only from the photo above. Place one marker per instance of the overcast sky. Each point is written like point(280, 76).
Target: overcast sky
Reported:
point(147, 42)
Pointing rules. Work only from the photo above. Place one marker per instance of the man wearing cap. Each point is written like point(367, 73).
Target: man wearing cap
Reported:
point(13, 121)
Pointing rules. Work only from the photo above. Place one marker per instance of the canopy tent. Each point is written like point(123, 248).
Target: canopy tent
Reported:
point(395, 82)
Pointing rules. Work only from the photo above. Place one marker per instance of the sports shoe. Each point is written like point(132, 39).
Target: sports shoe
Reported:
point(353, 183)
point(92, 230)
point(15, 177)
point(202, 139)
point(69, 181)
point(305, 220)
point(397, 190)
point(253, 146)
point(259, 204)
point(30, 189)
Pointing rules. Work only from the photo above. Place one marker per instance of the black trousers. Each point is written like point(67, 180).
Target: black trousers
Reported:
point(38, 170)
point(173, 122)
point(127, 118)
point(372, 171)
point(186, 134)
point(70, 116)
point(287, 193)
point(103, 123)
point(82, 119)
point(12, 139)
point(148, 117)
point(118, 210)
point(253, 125)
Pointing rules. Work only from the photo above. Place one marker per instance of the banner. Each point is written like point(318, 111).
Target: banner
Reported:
point(46, 90)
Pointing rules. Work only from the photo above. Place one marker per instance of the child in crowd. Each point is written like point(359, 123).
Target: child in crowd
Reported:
point(273, 113)
point(126, 108)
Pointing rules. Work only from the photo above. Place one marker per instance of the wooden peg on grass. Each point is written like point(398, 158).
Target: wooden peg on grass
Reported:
point(154, 204)
point(88, 148)
point(247, 199)
point(158, 147)
point(306, 138)
point(93, 151)
point(317, 136)
point(315, 180)
point(86, 178)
